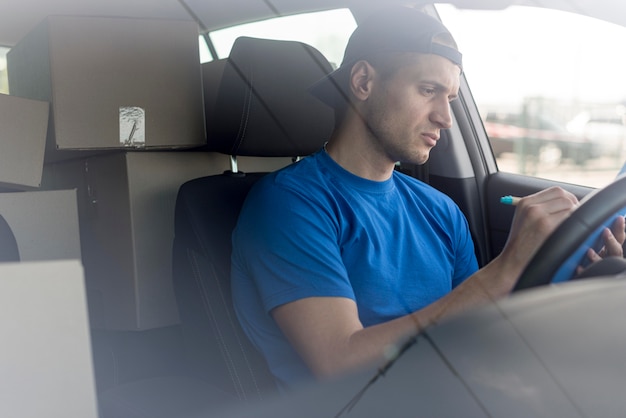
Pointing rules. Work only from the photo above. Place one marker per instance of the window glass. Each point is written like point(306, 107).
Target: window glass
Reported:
point(205, 54)
point(4, 83)
point(549, 93)
point(327, 31)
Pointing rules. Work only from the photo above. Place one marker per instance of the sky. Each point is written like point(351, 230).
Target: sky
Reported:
point(575, 57)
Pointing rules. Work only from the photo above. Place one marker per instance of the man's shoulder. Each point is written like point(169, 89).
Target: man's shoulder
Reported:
point(429, 196)
point(300, 180)
point(302, 175)
point(418, 186)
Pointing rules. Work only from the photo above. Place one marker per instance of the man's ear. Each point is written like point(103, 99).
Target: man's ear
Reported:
point(361, 78)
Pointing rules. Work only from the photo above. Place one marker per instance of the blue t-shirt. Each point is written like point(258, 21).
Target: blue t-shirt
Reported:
point(315, 229)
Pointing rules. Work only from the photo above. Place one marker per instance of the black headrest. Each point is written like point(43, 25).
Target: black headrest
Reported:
point(8, 244)
point(263, 107)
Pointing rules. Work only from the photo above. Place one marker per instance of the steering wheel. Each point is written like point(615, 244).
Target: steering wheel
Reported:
point(594, 211)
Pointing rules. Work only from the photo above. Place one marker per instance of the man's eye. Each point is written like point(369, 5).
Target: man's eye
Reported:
point(429, 91)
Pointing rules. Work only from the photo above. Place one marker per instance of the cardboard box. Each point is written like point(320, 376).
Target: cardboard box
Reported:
point(23, 129)
point(46, 360)
point(113, 83)
point(126, 211)
point(44, 223)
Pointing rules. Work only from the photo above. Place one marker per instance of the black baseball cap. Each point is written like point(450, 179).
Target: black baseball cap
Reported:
point(397, 29)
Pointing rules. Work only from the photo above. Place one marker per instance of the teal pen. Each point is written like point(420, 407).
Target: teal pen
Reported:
point(510, 200)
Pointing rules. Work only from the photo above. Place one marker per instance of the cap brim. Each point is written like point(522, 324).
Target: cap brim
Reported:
point(328, 89)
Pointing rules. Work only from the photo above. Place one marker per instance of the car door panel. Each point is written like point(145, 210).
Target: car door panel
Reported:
point(499, 215)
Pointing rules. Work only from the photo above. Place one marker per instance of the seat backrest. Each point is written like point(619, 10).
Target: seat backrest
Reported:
point(8, 245)
point(262, 109)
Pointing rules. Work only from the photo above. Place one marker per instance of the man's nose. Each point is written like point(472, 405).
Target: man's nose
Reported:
point(442, 115)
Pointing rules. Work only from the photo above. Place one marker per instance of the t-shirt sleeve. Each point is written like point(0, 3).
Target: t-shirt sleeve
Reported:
point(286, 243)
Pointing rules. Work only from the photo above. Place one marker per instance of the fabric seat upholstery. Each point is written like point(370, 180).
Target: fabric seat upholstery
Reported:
point(262, 109)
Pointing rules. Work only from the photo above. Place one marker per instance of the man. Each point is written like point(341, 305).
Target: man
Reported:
point(339, 256)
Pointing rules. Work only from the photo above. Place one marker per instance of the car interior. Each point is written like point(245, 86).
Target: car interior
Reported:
point(153, 152)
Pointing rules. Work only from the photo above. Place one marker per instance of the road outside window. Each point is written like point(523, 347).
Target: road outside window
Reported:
point(549, 94)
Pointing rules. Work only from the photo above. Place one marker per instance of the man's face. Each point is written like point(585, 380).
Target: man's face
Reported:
point(408, 108)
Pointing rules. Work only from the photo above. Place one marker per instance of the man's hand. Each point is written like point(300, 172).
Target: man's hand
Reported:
point(536, 217)
point(613, 243)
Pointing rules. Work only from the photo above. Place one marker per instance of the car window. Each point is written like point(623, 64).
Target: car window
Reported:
point(550, 96)
point(205, 53)
point(4, 83)
point(328, 31)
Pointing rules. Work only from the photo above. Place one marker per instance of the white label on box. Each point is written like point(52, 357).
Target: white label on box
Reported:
point(132, 126)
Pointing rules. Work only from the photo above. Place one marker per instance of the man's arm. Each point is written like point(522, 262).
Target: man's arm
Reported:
point(328, 335)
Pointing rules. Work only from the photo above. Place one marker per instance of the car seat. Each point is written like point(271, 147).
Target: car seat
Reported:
point(8, 245)
point(262, 109)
